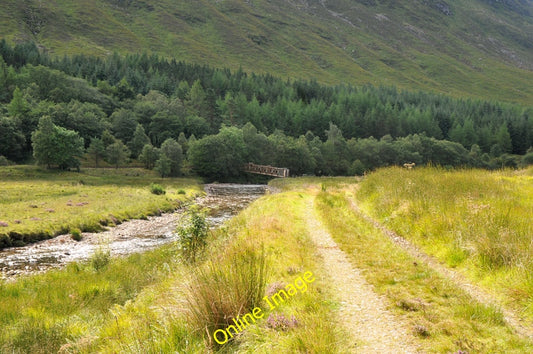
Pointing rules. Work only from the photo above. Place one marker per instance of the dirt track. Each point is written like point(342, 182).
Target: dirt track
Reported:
point(363, 312)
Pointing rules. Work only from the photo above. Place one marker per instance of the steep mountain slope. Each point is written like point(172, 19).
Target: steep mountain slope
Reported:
point(481, 48)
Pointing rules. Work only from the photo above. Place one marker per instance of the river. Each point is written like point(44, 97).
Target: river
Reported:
point(223, 201)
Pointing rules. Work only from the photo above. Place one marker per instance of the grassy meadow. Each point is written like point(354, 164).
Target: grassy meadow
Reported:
point(36, 204)
point(476, 221)
point(157, 302)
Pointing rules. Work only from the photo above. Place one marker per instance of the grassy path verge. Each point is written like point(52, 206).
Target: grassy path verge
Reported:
point(479, 294)
point(473, 221)
point(205, 297)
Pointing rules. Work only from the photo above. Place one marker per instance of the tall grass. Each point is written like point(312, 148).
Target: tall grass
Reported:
point(265, 250)
point(447, 319)
point(476, 220)
point(40, 313)
point(227, 287)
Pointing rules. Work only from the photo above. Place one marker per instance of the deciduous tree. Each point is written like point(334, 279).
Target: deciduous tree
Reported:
point(53, 145)
point(173, 152)
point(149, 156)
point(140, 139)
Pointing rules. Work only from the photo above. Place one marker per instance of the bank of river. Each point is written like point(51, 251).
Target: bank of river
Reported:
point(222, 200)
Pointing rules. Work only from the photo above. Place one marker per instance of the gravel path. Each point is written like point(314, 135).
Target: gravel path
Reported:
point(363, 312)
point(520, 326)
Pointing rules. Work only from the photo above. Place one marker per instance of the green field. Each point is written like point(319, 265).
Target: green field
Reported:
point(37, 204)
point(156, 302)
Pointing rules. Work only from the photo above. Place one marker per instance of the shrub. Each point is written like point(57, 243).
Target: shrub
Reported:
point(357, 168)
point(100, 258)
point(5, 241)
point(75, 234)
point(157, 189)
point(193, 235)
point(181, 191)
point(526, 159)
point(3, 161)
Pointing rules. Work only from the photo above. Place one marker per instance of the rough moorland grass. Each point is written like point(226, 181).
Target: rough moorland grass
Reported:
point(36, 204)
point(445, 317)
point(41, 313)
point(233, 267)
point(477, 221)
point(143, 303)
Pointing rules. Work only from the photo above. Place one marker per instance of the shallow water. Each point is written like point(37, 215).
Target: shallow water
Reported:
point(222, 200)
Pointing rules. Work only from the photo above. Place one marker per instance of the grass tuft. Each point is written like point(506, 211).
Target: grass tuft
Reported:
point(100, 259)
point(226, 288)
point(76, 234)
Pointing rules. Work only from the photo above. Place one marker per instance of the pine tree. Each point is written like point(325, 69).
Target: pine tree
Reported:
point(173, 152)
point(197, 100)
point(4, 81)
point(163, 166)
point(149, 156)
point(108, 138)
point(43, 142)
point(182, 140)
point(503, 139)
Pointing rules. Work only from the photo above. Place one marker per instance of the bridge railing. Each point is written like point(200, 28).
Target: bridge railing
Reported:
point(266, 170)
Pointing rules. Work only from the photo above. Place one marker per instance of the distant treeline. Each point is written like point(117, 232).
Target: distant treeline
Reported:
point(221, 119)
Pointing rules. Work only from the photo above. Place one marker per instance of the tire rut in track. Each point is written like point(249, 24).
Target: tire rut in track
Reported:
point(474, 291)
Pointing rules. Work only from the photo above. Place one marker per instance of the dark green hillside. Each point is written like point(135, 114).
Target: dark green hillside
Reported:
point(480, 48)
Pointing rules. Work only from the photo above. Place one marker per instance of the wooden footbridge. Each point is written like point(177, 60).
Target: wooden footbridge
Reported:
point(266, 170)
